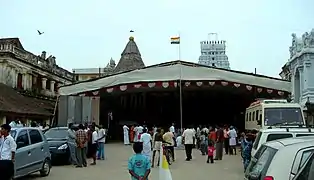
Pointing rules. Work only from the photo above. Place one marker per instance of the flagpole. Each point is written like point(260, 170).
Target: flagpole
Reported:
point(180, 86)
point(179, 46)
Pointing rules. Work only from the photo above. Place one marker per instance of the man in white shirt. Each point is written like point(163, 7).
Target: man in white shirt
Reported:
point(94, 144)
point(101, 143)
point(188, 137)
point(7, 153)
point(147, 144)
point(171, 129)
point(126, 138)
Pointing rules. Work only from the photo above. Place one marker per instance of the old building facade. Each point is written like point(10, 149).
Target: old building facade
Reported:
point(32, 76)
point(300, 70)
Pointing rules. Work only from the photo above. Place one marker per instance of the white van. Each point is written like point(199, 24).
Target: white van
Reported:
point(263, 114)
point(265, 135)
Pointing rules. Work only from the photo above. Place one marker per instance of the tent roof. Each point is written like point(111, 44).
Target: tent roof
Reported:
point(173, 71)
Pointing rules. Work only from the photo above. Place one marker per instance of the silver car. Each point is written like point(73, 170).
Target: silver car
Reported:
point(32, 153)
point(284, 159)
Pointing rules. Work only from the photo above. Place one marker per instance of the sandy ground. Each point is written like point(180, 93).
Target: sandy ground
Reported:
point(115, 167)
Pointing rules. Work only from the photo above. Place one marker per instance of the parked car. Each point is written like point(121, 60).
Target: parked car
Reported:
point(265, 135)
point(283, 159)
point(58, 145)
point(32, 153)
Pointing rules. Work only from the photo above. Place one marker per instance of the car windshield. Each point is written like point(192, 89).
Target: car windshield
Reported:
point(56, 134)
point(283, 116)
point(13, 133)
point(261, 161)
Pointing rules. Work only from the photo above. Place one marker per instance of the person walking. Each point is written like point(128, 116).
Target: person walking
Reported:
point(188, 137)
point(71, 140)
point(157, 143)
point(7, 153)
point(101, 143)
point(232, 134)
point(126, 138)
point(226, 139)
point(94, 144)
point(219, 143)
point(146, 139)
point(81, 142)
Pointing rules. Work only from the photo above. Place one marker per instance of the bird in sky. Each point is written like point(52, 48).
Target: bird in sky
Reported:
point(131, 31)
point(40, 33)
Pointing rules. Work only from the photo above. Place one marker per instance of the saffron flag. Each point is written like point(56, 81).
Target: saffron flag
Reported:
point(175, 40)
point(164, 171)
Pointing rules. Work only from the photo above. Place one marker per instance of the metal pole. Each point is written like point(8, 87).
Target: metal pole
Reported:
point(53, 120)
point(180, 86)
point(181, 109)
point(179, 47)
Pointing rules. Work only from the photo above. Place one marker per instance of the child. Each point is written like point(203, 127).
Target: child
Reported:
point(139, 165)
point(210, 153)
point(246, 145)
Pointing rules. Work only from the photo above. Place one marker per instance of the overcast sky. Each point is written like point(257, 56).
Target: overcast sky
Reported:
point(85, 34)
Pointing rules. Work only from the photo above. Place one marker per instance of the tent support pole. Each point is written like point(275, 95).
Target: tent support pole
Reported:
point(181, 109)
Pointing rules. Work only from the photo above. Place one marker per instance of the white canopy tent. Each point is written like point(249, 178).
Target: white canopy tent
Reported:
point(175, 71)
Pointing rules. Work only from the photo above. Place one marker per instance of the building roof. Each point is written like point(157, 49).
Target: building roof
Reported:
point(174, 71)
point(11, 101)
point(130, 58)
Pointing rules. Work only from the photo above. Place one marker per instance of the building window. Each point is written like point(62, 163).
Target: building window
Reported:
point(48, 84)
point(213, 64)
point(56, 87)
point(19, 81)
point(213, 59)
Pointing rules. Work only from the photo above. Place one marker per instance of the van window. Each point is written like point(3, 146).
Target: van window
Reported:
point(253, 116)
point(305, 156)
point(261, 161)
point(256, 117)
point(257, 139)
point(272, 137)
point(301, 135)
point(307, 173)
point(250, 116)
point(35, 136)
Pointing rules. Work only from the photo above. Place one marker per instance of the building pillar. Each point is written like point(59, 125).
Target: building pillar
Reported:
point(43, 83)
point(52, 86)
point(30, 81)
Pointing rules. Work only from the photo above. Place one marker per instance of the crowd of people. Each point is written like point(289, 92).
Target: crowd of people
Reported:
point(89, 141)
point(212, 142)
point(86, 141)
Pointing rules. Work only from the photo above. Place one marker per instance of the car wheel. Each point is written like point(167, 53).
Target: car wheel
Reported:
point(46, 168)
